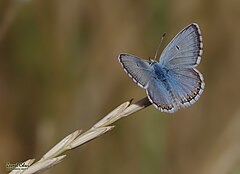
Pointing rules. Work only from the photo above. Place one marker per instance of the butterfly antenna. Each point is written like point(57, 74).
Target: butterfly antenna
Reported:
point(155, 57)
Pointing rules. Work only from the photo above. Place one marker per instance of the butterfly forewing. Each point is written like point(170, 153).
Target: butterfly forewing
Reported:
point(138, 69)
point(184, 50)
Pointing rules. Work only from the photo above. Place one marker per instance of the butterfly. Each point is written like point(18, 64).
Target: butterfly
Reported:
point(173, 82)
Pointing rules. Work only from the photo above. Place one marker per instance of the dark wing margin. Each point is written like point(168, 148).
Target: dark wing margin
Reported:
point(138, 69)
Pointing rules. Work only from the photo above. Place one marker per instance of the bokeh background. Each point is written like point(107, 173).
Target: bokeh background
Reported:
point(59, 72)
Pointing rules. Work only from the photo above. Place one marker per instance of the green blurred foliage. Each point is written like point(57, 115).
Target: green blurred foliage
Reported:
point(59, 72)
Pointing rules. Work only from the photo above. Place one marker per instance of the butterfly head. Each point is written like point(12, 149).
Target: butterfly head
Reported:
point(151, 60)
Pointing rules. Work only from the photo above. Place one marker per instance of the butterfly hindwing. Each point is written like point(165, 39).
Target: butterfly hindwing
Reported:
point(187, 85)
point(160, 96)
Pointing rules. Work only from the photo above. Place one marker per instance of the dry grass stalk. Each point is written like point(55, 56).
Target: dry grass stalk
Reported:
point(77, 138)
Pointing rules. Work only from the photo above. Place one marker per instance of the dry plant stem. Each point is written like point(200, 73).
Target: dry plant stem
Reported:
point(141, 104)
point(77, 138)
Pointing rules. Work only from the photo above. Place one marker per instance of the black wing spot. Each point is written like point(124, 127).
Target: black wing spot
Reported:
point(178, 48)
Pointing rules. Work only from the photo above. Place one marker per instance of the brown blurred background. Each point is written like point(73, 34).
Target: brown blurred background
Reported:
point(59, 72)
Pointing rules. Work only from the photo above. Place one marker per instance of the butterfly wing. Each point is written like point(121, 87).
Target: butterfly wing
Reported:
point(161, 97)
point(185, 49)
point(181, 55)
point(138, 69)
point(186, 85)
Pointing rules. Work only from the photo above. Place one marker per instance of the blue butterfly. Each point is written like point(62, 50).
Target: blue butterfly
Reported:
point(173, 82)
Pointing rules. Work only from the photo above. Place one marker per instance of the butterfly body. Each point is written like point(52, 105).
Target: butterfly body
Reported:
point(173, 82)
point(160, 72)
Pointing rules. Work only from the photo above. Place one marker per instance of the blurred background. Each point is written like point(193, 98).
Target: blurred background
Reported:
point(59, 72)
